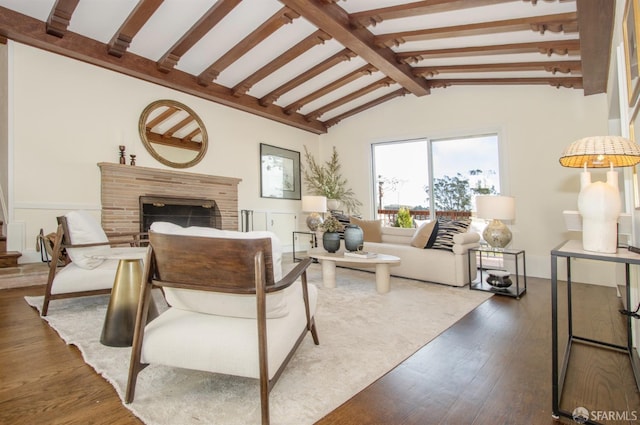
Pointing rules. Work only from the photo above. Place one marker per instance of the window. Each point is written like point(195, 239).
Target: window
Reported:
point(441, 175)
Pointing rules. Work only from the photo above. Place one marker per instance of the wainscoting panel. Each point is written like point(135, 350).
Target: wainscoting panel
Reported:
point(283, 224)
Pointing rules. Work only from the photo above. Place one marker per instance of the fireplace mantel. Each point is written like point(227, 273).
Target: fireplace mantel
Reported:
point(122, 186)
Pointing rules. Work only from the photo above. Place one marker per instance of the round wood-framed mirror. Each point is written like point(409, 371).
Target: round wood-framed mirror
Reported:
point(173, 133)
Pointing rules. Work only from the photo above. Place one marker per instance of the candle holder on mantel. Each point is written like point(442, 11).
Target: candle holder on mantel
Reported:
point(133, 159)
point(123, 159)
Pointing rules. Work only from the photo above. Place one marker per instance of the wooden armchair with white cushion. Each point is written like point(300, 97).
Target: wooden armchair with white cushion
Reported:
point(229, 313)
point(86, 249)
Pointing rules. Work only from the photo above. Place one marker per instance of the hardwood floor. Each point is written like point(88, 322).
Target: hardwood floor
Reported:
point(45, 381)
point(492, 367)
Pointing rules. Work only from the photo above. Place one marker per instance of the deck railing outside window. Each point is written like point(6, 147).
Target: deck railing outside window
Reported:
point(389, 216)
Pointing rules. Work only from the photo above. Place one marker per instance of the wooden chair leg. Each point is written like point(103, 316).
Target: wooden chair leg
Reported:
point(314, 332)
point(264, 402)
point(53, 265)
point(131, 386)
point(311, 324)
point(130, 392)
point(45, 306)
point(135, 364)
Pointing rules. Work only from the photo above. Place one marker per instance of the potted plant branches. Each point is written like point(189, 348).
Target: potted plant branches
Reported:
point(326, 180)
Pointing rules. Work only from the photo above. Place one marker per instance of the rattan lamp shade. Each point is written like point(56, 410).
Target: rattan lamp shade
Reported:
point(601, 152)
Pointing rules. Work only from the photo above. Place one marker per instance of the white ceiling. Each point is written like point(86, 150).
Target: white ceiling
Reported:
point(101, 19)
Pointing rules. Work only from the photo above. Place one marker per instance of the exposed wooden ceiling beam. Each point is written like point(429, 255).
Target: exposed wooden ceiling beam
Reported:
point(352, 76)
point(130, 27)
point(275, 22)
point(375, 16)
point(548, 48)
point(60, 17)
point(566, 82)
point(384, 82)
point(335, 21)
point(318, 37)
point(30, 31)
point(563, 67)
point(335, 120)
point(209, 20)
point(562, 22)
point(314, 71)
point(595, 19)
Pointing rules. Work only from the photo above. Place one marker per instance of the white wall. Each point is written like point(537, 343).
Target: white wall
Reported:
point(68, 116)
point(534, 125)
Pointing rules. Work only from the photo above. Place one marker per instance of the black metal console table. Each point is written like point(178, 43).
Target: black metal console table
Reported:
point(313, 241)
point(573, 249)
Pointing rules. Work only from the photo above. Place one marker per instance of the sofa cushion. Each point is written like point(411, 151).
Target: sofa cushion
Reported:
point(447, 229)
point(423, 234)
point(232, 305)
point(372, 229)
point(72, 278)
point(465, 238)
point(83, 229)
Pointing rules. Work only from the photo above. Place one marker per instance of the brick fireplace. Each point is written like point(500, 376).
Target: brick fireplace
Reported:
point(123, 185)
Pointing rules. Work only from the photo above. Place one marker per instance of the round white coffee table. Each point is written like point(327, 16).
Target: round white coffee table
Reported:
point(382, 263)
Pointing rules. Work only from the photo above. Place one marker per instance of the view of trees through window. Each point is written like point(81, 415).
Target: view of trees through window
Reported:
point(441, 175)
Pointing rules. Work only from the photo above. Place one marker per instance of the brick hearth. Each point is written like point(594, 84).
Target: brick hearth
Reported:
point(122, 186)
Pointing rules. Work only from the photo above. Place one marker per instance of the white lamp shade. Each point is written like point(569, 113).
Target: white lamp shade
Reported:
point(314, 204)
point(496, 207)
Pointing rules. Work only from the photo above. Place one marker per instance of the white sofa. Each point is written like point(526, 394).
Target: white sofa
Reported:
point(431, 265)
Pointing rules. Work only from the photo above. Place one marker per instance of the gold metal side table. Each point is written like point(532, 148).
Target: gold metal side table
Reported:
point(120, 319)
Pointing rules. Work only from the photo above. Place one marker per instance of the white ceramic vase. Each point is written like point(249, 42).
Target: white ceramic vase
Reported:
point(599, 205)
point(333, 204)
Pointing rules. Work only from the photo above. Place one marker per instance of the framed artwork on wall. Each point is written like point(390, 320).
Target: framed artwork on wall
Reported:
point(279, 173)
point(630, 32)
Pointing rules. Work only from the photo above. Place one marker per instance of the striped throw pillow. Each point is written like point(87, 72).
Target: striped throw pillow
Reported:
point(447, 229)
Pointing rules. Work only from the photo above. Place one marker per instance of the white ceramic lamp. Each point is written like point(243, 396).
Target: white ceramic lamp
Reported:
point(496, 208)
point(599, 202)
point(314, 205)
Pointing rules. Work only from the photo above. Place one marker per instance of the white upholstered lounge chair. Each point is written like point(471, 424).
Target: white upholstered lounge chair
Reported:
point(79, 237)
point(214, 283)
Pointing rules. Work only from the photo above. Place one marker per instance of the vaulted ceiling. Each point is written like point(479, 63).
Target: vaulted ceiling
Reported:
point(314, 63)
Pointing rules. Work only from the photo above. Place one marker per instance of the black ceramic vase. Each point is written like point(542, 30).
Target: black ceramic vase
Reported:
point(353, 237)
point(331, 241)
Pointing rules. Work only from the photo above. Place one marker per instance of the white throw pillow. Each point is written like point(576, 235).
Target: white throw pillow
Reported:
point(84, 228)
point(423, 234)
point(220, 303)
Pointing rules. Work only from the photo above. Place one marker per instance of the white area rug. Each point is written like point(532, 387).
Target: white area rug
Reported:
point(362, 336)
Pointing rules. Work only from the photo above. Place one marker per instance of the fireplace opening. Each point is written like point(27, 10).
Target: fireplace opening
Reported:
point(181, 211)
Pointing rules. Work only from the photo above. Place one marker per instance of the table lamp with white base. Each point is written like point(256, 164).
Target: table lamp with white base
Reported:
point(599, 202)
